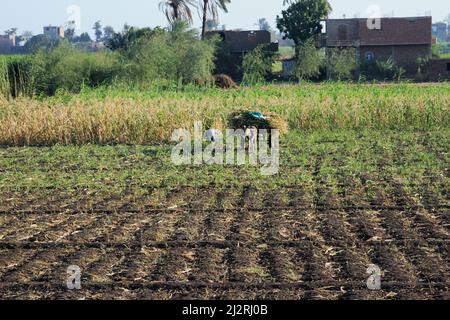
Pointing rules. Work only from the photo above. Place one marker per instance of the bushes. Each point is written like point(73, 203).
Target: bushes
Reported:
point(441, 50)
point(384, 70)
point(196, 62)
point(309, 61)
point(227, 62)
point(61, 68)
point(65, 68)
point(123, 41)
point(175, 56)
point(4, 81)
point(39, 42)
point(389, 70)
point(341, 63)
point(257, 65)
point(16, 76)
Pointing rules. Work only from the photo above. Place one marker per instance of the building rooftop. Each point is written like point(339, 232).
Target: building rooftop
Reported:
point(390, 31)
point(243, 41)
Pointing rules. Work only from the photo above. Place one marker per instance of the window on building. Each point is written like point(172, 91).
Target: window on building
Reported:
point(370, 56)
point(342, 32)
point(448, 66)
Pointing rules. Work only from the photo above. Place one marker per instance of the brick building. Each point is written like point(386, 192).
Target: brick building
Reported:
point(244, 41)
point(402, 39)
point(235, 45)
point(439, 69)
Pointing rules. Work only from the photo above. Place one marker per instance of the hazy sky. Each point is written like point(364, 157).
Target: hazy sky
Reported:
point(34, 14)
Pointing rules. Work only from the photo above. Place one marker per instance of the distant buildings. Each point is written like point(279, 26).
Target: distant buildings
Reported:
point(237, 44)
point(402, 39)
point(54, 33)
point(440, 31)
point(7, 43)
point(11, 44)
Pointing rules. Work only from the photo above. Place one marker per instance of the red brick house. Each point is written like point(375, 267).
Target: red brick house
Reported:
point(244, 41)
point(238, 44)
point(402, 39)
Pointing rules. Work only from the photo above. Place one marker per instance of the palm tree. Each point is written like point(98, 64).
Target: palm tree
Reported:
point(211, 7)
point(263, 24)
point(177, 9)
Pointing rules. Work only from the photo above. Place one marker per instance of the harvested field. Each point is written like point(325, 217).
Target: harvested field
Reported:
point(141, 228)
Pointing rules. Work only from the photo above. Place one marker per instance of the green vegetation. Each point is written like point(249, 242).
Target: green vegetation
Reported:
point(441, 50)
point(257, 65)
point(176, 56)
point(286, 52)
point(341, 64)
point(309, 61)
point(86, 174)
point(93, 172)
point(139, 56)
point(302, 19)
point(17, 76)
point(68, 69)
point(388, 70)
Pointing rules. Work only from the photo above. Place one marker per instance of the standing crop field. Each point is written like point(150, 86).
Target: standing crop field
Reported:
point(134, 116)
point(87, 180)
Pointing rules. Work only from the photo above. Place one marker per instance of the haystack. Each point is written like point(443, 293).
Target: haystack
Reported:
point(266, 120)
point(224, 81)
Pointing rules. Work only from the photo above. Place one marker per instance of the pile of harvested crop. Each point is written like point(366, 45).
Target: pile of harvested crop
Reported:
point(224, 81)
point(267, 120)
